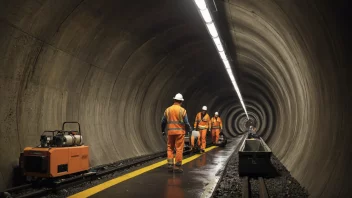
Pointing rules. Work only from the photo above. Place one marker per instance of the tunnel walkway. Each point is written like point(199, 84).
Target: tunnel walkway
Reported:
point(199, 179)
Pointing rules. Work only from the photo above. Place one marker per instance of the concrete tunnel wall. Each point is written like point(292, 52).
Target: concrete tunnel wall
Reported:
point(115, 65)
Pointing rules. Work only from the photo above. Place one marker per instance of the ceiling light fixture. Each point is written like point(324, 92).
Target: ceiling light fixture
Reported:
point(212, 29)
point(206, 15)
point(202, 6)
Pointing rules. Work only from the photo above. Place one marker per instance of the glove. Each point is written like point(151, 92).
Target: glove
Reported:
point(163, 133)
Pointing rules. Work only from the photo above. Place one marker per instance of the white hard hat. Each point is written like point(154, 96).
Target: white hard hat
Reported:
point(178, 97)
point(204, 108)
point(216, 113)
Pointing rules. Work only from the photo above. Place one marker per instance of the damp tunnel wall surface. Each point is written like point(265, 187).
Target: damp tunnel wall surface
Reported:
point(111, 65)
point(293, 68)
point(114, 66)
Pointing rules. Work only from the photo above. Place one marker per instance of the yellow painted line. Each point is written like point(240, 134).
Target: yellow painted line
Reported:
point(108, 184)
point(185, 161)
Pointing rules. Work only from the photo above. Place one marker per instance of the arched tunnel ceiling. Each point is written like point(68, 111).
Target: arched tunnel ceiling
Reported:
point(114, 66)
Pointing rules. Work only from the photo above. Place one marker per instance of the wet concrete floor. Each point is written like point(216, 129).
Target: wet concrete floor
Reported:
point(199, 178)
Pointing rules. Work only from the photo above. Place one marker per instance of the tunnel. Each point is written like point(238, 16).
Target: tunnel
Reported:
point(115, 65)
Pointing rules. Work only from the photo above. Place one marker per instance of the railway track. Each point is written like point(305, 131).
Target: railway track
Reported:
point(45, 188)
point(246, 187)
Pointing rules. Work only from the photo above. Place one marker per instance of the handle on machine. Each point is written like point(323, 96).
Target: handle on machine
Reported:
point(79, 128)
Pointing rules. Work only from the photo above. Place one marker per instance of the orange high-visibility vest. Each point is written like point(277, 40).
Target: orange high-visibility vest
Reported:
point(202, 123)
point(216, 123)
point(175, 123)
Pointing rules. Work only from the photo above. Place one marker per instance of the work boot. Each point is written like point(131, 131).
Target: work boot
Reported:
point(177, 168)
point(170, 165)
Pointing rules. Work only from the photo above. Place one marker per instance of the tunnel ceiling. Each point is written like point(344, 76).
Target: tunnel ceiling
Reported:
point(115, 65)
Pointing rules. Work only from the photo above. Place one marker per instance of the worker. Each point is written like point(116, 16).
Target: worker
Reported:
point(216, 127)
point(202, 124)
point(176, 120)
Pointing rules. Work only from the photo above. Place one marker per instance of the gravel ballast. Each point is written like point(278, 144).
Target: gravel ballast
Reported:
point(283, 185)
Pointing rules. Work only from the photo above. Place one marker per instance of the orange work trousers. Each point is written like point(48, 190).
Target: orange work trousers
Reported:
point(203, 138)
point(175, 141)
point(215, 135)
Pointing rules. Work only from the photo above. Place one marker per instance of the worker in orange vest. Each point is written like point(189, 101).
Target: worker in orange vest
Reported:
point(202, 124)
point(176, 120)
point(216, 127)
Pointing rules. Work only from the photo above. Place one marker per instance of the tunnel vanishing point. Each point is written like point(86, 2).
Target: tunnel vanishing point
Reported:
point(114, 66)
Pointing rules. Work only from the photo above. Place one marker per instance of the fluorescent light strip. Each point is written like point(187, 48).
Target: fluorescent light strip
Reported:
point(206, 15)
point(202, 6)
point(229, 72)
point(218, 44)
point(212, 29)
point(226, 63)
point(220, 48)
point(217, 41)
point(223, 55)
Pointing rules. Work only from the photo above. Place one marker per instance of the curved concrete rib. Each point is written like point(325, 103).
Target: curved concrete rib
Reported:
point(114, 66)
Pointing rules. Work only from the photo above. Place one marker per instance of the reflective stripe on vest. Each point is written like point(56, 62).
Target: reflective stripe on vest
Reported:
point(170, 129)
point(175, 122)
point(215, 127)
point(202, 127)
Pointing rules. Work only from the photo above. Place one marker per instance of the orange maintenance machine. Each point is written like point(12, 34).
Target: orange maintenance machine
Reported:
point(60, 153)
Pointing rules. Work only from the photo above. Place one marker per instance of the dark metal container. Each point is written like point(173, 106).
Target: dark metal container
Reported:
point(254, 158)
